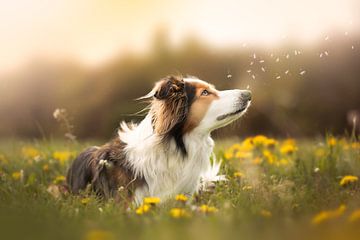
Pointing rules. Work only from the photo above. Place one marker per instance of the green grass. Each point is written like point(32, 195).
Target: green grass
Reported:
point(282, 186)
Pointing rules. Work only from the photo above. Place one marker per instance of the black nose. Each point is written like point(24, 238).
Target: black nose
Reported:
point(246, 95)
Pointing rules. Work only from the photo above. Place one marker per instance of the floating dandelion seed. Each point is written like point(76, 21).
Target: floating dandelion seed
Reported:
point(296, 52)
point(326, 53)
point(326, 38)
point(352, 47)
point(302, 72)
point(261, 61)
point(249, 71)
point(254, 56)
point(229, 76)
point(247, 87)
point(271, 55)
point(320, 55)
point(287, 56)
point(253, 76)
point(277, 59)
point(263, 69)
point(278, 77)
point(287, 71)
point(251, 63)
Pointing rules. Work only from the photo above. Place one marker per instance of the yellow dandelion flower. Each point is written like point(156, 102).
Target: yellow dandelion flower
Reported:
point(85, 201)
point(266, 213)
point(151, 200)
point(270, 142)
point(207, 209)
point(288, 149)
point(320, 152)
point(59, 179)
point(247, 188)
point(331, 141)
point(99, 235)
point(260, 140)
point(181, 198)
point(63, 156)
point(229, 154)
point(179, 213)
point(45, 167)
point(242, 154)
point(143, 209)
point(16, 175)
point(355, 216)
point(30, 152)
point(348, 179)
point(270, 158)
point(238, 174)
point(328, 215)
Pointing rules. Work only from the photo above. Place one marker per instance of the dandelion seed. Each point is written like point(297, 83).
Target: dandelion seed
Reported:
point(261, 61)
point(271, 55)
point(326, 38)
point(296, 52)
point(277, 59)
point(229, 76)
point(253, 76)
point(352, 47)
point(320, 55)
point(249, 71)
point(254, 56)
point(326, 53)
point(287, 56)
point(263, 69)
point(302, 72)
point(251, 63)
point(278, 77)
point(247, 87)
point(286, 72)
point(316, 170)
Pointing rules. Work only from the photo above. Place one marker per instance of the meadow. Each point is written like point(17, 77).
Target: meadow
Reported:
point(275, 189)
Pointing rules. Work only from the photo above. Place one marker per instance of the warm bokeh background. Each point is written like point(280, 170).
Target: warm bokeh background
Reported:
point(300, 59)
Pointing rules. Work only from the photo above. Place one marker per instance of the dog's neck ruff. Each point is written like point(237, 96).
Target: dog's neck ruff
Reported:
point(164, 168)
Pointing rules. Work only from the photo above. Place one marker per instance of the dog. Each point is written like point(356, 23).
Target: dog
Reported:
point(169, 151)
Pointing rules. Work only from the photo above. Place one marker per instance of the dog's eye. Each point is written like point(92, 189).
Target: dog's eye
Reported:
point(205, 93)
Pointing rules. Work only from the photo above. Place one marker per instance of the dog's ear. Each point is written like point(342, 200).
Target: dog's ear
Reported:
point(169, 87)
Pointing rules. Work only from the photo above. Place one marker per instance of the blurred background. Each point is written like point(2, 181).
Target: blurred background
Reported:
point(93, 58)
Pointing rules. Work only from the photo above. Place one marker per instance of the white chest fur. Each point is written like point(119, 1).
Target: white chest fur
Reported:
point(166, 171)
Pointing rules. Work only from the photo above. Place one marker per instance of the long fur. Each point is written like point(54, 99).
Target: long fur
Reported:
point(160, 156)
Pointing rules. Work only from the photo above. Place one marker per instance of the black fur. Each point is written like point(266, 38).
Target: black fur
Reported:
point(177, 131)
point(80, 173)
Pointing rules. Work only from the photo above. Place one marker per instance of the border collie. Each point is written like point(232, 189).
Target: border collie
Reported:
point(169, 151)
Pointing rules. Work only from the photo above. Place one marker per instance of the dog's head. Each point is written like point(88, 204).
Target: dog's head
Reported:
point(184, 105)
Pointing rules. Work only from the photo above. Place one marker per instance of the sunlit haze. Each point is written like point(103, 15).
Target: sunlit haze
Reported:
point(93, 31)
